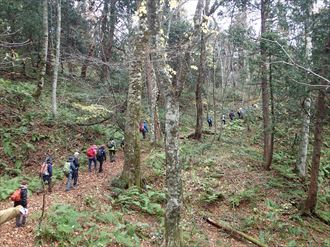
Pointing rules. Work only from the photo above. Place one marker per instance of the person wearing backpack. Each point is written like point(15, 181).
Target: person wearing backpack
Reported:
point(19, 197)
point(231, 115)
point(46, 172)
point(101, 157)
point(223, 119)
point(144, 128)
point(69, 169)
point(209, 121)
point(112, 149)
point(76, 169)
point(91, 155)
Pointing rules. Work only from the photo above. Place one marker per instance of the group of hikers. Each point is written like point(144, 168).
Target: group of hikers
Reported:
point(240, 115)
point(232, 115)
point(95, 154)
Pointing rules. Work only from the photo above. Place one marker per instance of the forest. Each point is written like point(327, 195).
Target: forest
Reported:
point(165, 123)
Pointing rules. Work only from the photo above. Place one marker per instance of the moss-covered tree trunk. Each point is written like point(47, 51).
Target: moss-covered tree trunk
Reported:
point(152, 86)
point(173, 172)
point(131, 173)
point(43, 56)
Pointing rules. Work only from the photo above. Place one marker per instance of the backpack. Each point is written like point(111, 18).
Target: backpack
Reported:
point(100, 153)
point(66, 168)
point(16, 196)
point(142, 127)
point(44, 169)
point(90, 152)
point(111, 144)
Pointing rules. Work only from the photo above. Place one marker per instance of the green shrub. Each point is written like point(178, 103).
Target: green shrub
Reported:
point(147, 202)
point(243, 196)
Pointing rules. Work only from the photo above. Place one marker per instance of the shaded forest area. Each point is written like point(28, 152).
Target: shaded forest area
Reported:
point(235, 96)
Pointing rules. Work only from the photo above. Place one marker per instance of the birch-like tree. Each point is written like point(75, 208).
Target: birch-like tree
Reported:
point(57, 58)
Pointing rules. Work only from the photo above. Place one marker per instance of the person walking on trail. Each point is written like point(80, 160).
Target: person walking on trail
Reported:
point(10, 213)
point(76, 169)
point(240, 113)
point(69, 170)
point(231, 115)
point(144, 128)
point(91, 155)
point(209, 121)
point(223, 119)
point(101, 157)
point(112, 149)
point(46, 173)
point(19, 197)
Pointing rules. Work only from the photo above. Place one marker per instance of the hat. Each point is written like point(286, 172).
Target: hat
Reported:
point(48, 159)
point(70, 158)
point(76, 154)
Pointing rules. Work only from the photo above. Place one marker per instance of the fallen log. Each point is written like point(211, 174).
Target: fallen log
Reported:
point(234, 232)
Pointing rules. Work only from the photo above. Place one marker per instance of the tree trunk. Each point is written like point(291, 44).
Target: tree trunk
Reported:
point(131, 173)
point(173, 172)
point(85, 64)
point(108, 37)
point(310, 203)
point(152, 86)
point(50, 52)
point(265, 89)
point(152, 91)
point(57, 59)
point(198, 21)
point(303, 147)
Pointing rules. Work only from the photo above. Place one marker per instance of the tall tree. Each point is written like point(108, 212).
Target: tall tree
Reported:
point(267, 126)
point(200, 23)
point(152, 86)
point(131, 173)
point(109, 19)
point(321, 58)
point(57, 58)
point(44, 49)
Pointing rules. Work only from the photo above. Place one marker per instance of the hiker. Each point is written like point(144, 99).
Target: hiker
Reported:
point(101, 157)
point(144, 128)
point(10, 213)
point(209, 121)
point(223, 119)
point(76, 169)
point(69, 170)
point(19, 197)
point(91, 155)
point(112, 149)
point(231, 115)
point(240, 113)
point(46, 173)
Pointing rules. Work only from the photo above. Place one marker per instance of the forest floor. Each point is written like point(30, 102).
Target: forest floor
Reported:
point(94, 184)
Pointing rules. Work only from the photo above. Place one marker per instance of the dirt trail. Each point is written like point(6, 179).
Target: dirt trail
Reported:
point(93, 184)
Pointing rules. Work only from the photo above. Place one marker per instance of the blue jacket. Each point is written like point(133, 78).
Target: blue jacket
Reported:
point(145, 126)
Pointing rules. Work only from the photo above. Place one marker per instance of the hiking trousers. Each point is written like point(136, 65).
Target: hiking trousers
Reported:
point(68, 182)
point(20, 220)
point(90, 161)
point(112, 155)
point(75, 177)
